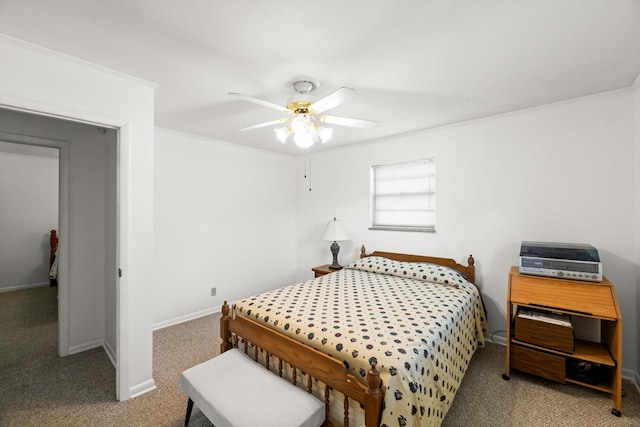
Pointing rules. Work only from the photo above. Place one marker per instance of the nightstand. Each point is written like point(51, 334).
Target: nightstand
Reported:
point(322, 270)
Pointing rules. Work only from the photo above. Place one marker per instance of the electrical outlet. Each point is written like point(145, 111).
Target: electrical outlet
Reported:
point(213, 292)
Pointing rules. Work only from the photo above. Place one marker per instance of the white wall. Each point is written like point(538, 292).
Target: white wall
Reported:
point(563, 172)
point(40, 80)
point(225, 218)
point(28, 211)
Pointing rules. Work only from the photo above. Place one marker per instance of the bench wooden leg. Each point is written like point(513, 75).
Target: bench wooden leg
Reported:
point(189, 408)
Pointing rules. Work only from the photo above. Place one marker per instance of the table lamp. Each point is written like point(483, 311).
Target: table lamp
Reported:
point(335, 233)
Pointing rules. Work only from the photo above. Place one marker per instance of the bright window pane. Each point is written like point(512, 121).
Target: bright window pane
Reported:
point(403, 195)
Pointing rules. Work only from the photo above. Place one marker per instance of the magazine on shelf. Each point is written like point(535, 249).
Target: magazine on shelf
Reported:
point(542, 316)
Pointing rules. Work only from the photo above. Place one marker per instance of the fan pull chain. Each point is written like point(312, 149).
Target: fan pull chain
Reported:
point(307, 176)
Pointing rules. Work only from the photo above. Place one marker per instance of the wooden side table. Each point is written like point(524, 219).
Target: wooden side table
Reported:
point(576, 298)
point(322, 270)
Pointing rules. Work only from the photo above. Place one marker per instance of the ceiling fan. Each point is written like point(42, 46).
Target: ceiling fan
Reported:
point(305, 118)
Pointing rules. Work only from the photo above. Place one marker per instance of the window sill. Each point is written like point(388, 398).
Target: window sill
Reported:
point(398, 228)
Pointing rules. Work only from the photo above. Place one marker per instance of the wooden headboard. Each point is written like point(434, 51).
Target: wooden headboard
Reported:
point(469, 271)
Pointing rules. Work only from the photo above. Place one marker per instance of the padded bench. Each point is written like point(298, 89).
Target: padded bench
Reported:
point(232, 390)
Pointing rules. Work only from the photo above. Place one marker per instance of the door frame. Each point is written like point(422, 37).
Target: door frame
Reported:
point(63, 227)
point(123, 128)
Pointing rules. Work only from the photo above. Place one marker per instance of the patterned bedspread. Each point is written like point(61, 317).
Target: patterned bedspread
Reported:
point(53, 271)
point(421, 323)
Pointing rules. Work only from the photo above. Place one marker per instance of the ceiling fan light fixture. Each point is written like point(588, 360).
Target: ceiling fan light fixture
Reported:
point(299, 124)
point(324, 133)
point(306, 121)
point(303, 139)
point(282, 134)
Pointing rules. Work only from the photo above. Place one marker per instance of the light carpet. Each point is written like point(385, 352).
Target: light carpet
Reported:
point(38, 388)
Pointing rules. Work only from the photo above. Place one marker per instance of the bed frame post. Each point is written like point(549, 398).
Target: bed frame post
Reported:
point(373, 398)
point(225, 332)
point(471, 269)
point(53, 246)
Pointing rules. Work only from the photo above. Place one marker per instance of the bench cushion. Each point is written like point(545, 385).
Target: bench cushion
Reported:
point(232, 390)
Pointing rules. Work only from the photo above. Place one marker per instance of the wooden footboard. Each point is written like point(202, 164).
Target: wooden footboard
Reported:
point(325, 369)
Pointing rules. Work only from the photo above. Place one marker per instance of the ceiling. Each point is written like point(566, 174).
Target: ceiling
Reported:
point(415, 64)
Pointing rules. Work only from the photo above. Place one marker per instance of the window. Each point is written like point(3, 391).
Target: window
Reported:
point(403, 196)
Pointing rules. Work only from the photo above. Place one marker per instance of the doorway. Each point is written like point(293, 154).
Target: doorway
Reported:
point(88, 226)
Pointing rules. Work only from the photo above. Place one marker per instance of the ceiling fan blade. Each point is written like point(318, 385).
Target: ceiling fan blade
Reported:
point(334, 99)
point(265, 124)
point(344, 121)
point(261, 102)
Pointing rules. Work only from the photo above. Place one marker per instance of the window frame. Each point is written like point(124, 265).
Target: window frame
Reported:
point(431, 176)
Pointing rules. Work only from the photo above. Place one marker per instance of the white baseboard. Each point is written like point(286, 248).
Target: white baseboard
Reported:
point(497, 340)
point(186, 317)
point(632, 376)
point(110, 353)
point(95, 344)
point(142, 388)
point(23, 287)
point(74, 349)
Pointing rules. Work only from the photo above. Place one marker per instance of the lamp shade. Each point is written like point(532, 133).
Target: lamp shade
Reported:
point(335, 231)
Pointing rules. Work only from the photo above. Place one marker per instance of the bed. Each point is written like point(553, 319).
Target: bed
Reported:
point(417, 320)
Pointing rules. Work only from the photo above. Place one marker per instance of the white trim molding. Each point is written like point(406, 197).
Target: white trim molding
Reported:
point(636, 83)
point(89, 345)
point(632, 376)
point(187, 317)
point(95, 344)
point(110, 353)
point(73, 59)
point(23, 287)
point(142, 388)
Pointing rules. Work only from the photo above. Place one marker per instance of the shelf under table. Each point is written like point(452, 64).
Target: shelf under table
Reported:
point(584, 350)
